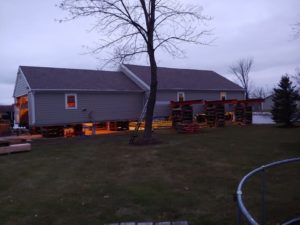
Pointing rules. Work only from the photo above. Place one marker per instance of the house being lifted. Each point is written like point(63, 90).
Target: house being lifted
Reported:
point(57, 97)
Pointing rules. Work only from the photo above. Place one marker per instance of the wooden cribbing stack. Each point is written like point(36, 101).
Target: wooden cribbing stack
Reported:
point(215, 115)
point(243, 114)
point(248, 115)
point(239, 113)
point(182, 114)
point(210, 115)
point(182, 119)
point(220, 115)
point(215, 111)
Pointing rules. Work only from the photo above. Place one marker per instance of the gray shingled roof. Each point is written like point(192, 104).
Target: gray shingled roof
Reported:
point(77, 79)
point(185, 79)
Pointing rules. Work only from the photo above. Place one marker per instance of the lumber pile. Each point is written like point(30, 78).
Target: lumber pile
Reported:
point(15, 148)
point(14, 144)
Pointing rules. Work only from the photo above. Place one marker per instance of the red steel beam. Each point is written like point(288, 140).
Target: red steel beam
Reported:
point(229, 101)
point(252, 101)
point(181, 103)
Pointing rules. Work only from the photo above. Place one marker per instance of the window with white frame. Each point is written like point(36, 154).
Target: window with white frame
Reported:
point(180, 96)
point(223, 95)
point(71, 101)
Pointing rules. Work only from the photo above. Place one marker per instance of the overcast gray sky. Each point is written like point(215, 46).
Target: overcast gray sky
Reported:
point(258, 28)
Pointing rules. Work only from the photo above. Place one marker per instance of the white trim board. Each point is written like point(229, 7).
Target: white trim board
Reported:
point(134, 78)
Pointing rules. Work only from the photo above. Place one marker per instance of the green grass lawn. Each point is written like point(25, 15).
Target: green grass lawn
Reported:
point(191, 177)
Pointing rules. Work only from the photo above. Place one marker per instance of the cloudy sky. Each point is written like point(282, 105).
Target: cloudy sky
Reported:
point(31, 35)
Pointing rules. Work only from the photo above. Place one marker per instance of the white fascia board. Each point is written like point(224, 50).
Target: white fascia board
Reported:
point(17, 77)
point(134, 78)
point(184, 89)
point(86, 90)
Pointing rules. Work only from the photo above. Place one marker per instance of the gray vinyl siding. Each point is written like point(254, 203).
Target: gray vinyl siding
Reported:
point(91, 107)
point(236, 95)
point(21, 87)
point(30, 109)
point(267, 104)
point(162, 109)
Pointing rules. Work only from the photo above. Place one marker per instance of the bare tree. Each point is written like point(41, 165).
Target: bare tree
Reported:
point(241, 71)
point(133, 27)
point(296, 30)
point(260, 92)
point(296, 78)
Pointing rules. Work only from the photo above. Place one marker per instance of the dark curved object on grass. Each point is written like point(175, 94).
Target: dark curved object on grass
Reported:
point(242, 210)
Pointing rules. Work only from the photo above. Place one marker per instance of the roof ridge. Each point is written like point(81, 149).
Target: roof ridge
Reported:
point(175, 68)
point(63, 68)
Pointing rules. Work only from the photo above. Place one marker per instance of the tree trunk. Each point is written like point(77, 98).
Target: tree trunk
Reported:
point(153, 66)
point(247, 94)
point(152, 97)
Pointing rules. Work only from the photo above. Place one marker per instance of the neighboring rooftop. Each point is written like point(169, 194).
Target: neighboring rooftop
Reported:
point(77, 79)
point(185, 79)
point(6, 108)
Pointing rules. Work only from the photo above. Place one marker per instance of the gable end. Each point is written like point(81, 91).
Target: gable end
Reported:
point(21, 85)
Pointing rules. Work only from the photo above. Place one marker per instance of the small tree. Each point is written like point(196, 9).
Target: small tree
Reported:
point(241, 71)
point(259, 92)
point(284, 102)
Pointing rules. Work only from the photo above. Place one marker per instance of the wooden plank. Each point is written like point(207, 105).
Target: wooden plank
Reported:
point(163, 223)
point(145, 223)
point(15, 148)
point(180, 223)
point(4, 143)
point(128, 223)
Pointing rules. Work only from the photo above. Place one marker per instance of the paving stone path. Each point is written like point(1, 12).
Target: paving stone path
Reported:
point(152, 223)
